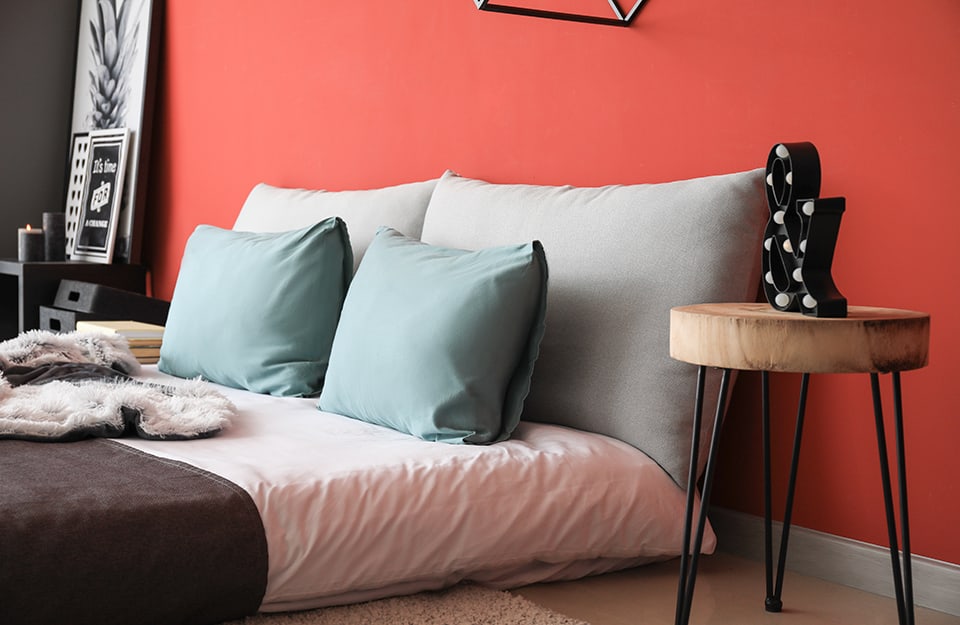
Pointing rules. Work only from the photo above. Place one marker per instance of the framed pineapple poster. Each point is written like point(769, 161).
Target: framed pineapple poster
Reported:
point(117, 56)
point(102, 195)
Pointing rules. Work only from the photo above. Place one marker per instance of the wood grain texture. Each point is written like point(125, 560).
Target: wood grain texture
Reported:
point(751, 336)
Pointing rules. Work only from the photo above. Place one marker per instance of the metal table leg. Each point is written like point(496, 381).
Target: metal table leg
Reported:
point(773, 602)
point(690, 556)
point(902, 572)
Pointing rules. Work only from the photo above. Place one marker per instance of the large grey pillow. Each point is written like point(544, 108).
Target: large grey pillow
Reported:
point(620, 258)
point(276, 209)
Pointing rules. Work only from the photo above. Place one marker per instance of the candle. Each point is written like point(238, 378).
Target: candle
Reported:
point(54, 236)
point(29, 244)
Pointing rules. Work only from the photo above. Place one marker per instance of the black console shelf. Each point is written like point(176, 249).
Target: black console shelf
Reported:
point(25, 286)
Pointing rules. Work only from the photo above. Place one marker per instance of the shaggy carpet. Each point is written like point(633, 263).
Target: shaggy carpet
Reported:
point(460, 605)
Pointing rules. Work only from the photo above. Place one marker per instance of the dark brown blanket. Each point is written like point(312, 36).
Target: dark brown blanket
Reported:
point(97, 533)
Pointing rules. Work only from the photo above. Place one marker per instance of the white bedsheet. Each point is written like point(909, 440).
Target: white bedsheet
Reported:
point(354, 511)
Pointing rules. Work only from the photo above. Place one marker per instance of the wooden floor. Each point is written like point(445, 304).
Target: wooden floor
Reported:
point(729, 591)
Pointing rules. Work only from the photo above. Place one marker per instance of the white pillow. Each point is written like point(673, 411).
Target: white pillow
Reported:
point(276, 209)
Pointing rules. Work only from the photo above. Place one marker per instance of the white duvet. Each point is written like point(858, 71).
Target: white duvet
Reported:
point(354, 511)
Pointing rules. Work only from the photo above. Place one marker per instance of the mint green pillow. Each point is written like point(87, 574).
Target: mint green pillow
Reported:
point(439, 342)
point(258, 311)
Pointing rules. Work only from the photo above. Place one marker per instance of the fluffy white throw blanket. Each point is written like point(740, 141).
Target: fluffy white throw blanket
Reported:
point(37, 347)
point(60, 410)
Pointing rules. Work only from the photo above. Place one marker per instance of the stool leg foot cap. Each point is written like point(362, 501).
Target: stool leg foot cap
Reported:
point(773, 604)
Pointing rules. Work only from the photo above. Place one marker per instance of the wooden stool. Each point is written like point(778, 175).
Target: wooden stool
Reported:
point(756, 337)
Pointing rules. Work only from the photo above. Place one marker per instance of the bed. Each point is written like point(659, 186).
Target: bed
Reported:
point(294, 507)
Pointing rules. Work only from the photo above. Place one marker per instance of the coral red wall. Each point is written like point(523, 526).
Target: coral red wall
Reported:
point(343, 94)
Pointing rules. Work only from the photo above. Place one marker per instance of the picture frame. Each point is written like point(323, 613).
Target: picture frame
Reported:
point(114, 87)
point(103, 191)
point(77, 173)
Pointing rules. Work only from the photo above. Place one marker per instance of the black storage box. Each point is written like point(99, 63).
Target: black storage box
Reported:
point(60, 320)
point(110, 303)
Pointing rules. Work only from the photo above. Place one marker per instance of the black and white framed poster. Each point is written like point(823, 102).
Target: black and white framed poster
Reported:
point(102, 195)
point(117, 57)
point(77, 173)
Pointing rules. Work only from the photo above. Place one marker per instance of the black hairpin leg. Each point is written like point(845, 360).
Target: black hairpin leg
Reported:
point(690, 556)
point(773, 601)
point(902, 575)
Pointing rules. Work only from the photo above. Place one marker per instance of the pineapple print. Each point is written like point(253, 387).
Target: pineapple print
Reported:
point(114, 49)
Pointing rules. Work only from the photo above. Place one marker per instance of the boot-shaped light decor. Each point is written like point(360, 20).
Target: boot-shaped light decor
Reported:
point(801, 235)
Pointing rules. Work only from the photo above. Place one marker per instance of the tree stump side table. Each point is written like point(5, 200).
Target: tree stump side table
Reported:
point(756, 337)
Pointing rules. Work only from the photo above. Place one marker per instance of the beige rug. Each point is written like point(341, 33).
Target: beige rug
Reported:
point(460, 605)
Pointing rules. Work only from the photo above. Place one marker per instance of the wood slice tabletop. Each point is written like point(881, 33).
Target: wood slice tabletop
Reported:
point(755, 336)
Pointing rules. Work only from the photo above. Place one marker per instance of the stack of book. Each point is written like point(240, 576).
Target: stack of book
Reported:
point(144, 339)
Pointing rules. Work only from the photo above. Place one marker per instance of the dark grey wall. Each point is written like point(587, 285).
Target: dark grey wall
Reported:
point(38, 43)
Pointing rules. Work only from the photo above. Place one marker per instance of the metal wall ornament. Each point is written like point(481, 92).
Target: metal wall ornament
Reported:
point(801, 235)
point(620, 18)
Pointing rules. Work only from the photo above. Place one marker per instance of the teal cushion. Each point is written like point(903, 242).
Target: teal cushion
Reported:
point(439, 342)
point(258, 311)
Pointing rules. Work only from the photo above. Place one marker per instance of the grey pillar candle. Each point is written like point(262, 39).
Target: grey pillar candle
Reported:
point(29, 244)
point(54, 236)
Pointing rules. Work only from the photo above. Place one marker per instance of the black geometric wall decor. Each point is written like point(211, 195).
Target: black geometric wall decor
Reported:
point(620, 18)
point(801, 234)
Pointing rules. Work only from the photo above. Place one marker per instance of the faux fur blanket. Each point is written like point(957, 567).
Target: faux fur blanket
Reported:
point(63, 387)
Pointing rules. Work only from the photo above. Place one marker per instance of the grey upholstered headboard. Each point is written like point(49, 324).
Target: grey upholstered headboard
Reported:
point(619, 258)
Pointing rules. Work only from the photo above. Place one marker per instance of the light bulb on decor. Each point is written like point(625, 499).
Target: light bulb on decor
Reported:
point(805, 227)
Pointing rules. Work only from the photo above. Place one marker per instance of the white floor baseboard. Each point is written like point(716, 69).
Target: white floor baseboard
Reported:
point(840, 560)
